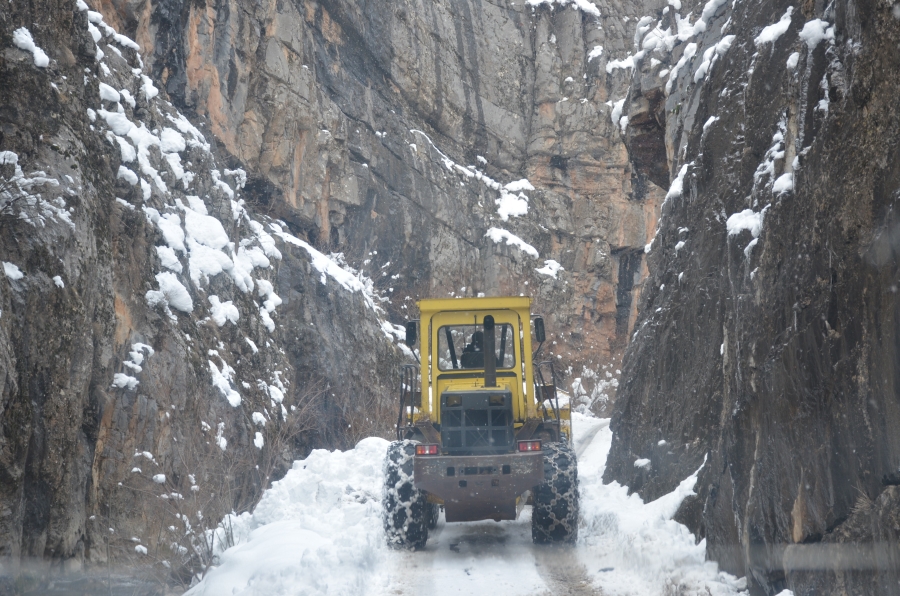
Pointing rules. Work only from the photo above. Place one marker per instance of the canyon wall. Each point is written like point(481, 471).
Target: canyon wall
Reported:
point(766, 352)
point(388, 133)
point(210, 236)
point(166, 348)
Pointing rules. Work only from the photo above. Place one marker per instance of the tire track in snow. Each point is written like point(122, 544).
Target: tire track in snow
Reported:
point(581, 443)
point(560, 568)
point(558, 565)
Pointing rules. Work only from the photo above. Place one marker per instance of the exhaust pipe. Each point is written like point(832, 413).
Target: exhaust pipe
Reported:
point(490, 353)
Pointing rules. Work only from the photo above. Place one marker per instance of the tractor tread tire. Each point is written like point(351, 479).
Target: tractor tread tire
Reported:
point(406, 513)
point(554, 516)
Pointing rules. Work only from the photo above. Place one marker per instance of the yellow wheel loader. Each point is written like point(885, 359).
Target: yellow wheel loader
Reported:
point(480, 429)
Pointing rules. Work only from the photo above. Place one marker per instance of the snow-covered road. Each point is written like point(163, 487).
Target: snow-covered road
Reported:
point(318, 531)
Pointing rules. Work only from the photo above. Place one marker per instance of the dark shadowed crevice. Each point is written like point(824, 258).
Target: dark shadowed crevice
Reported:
point(629, 260)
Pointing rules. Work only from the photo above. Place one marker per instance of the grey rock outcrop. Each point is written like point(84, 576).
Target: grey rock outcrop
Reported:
point(767, 347)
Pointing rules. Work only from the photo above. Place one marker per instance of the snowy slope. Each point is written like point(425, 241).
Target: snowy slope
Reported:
point(318, 531)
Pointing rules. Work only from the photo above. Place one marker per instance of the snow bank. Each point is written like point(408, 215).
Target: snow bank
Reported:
point(792, 60)
point(631, 547)
point(23, 40)
point(583, 5)
point(815, 31)
point(221, 380)
point(745, 220)
point(771, 33)
point(677, 187)
point(550, 268)
point(222, 312)
point(626, 62)
point(108, 93)
point(12, 271)
point(784, 183)
point(171, 293)
point(316, 531)
point(498, 236)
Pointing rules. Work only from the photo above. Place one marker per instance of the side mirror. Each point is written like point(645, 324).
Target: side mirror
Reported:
point(539, 334)
point(410, 333)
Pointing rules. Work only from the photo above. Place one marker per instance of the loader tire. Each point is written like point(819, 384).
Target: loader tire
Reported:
point(406, 512)
point(433, 512)
point(554, 514)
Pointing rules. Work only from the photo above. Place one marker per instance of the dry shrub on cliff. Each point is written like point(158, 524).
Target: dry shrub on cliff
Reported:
point(184, 510)
point(347, 419)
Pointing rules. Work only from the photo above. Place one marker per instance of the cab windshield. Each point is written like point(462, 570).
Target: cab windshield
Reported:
point(462, 346)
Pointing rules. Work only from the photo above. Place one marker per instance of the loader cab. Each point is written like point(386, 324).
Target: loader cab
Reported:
point(460, 354)
point(476, 392)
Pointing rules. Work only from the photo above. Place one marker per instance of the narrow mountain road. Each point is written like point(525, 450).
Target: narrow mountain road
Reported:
point(462, 558)
point(318, 531)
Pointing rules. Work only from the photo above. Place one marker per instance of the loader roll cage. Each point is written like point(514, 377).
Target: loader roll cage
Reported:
point(452, 340)
point(481, 429)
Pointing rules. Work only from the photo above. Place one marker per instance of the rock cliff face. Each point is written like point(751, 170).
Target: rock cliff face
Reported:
point(767, 346)
point(388, 132)
point(197, 291)
point(165, 346)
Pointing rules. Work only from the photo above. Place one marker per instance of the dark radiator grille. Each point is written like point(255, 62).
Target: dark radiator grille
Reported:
point(476, 422)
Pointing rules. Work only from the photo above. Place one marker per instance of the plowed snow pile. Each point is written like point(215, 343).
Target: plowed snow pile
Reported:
point(318, 531)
